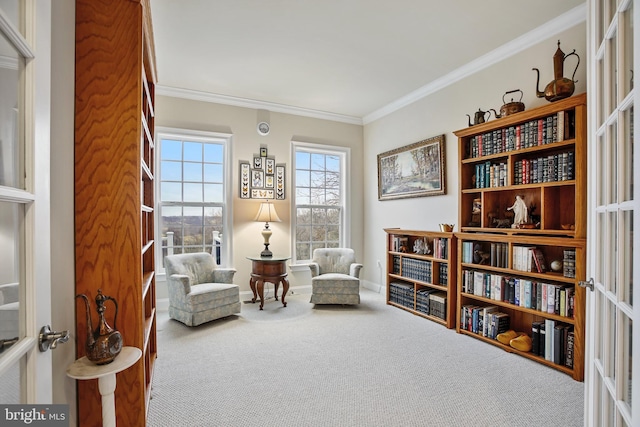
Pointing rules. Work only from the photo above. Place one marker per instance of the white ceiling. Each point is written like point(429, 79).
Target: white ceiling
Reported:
point(350, 58)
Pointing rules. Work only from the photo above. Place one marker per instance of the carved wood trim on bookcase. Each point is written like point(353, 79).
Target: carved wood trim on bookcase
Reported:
point(109, 49)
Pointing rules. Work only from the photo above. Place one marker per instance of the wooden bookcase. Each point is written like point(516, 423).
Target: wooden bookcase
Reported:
point(540, 155)
point(416, 280)
point(114, 191)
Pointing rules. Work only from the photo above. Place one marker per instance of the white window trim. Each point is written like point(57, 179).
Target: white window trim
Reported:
point(199, 136)
point(299, 265)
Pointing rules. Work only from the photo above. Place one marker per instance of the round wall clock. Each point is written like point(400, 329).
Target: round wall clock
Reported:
point(263, 128)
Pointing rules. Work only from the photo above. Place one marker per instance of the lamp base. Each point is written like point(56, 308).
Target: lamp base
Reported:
point(266, 253)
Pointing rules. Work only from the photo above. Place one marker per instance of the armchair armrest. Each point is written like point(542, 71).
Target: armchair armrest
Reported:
point(315, 268)
point(223, 275)
point(354, 269)
point(180, 282)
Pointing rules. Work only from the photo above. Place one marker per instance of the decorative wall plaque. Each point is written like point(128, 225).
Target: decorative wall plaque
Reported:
point(262, 178)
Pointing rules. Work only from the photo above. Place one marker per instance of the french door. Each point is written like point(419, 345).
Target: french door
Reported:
point(25, 282)
point(612, 394)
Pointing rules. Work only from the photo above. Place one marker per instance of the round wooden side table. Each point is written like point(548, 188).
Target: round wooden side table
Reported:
point(268, 269)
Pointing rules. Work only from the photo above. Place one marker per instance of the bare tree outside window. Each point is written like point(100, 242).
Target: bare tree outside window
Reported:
point(319, 201)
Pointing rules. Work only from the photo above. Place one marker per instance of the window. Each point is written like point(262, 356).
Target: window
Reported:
point(193, 206)
point(319, 179)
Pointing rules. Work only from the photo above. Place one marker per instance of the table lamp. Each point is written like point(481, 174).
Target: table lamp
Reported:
point(267, 213)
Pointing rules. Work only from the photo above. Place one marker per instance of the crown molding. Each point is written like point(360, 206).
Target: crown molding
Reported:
point(252, 103)
point(569, 19)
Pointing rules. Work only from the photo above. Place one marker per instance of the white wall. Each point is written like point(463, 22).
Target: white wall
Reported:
point(443, 112)
point(241, 123)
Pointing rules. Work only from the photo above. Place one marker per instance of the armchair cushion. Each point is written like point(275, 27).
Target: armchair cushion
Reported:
point(200, 291)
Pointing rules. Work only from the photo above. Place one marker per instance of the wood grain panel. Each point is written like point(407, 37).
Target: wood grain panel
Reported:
point(107, 188)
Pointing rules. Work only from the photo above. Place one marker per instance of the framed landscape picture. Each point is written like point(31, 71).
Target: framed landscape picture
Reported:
point(416, 170)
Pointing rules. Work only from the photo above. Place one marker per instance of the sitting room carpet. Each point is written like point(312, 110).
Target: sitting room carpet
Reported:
point(366, 365)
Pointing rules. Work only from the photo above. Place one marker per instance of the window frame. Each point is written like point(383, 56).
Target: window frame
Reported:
point(344, 154)
point(226, 248)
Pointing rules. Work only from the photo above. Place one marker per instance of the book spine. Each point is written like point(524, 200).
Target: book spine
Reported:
point(535, 338)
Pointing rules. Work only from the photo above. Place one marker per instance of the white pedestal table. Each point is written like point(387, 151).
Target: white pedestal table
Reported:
point(84, 369)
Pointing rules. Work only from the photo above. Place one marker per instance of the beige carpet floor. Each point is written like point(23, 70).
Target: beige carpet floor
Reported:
point(367, 365)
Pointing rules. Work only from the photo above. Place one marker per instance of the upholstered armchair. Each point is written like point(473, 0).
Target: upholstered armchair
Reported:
point(200, 291)
point(335, 276)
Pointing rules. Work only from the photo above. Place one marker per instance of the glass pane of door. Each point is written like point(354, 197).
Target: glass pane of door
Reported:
point(611, 242)
point(11, 155)
point(11, 293)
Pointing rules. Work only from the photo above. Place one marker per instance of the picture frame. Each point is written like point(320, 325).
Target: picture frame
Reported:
point(257, 162)
point(415, 170)
point(263, 151)
point(257, 193)
point(245, 180)
point(257, 178)
point(269, 181)
point(269, 167)
point(280, 182)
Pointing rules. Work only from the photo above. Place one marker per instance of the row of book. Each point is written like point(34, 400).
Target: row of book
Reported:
point(552, 168)
point(429, 301)
point(432, 302)
point(554, 341)
point(491, 175)
point(498, 254)
point(487, 321)
point(569, 263)
point(440, 248)
point(545, 297)
point(417, 269)
point(444, 274)
point(528, 258)
point(533, 133)
point(401, 293)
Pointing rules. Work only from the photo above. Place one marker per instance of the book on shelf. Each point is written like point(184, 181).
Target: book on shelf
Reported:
point(500, 323)
point(558, 344)
point(548, 345)
point(538, 260)
point(569, 354)
point(542, 341)
point(485, 327)
point(535, 338)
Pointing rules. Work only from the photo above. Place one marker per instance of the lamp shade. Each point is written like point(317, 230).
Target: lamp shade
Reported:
point(267, 213)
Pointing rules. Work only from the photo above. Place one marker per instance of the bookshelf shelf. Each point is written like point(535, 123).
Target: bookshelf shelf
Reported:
point(539, 155)
point(422, 283)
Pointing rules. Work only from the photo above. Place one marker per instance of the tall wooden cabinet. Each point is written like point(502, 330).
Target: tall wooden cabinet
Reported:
point(538, 155)
point(114, 192)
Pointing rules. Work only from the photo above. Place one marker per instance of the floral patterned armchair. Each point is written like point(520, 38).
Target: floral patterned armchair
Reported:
point(200, 291)
point(335, 276)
